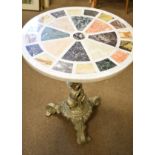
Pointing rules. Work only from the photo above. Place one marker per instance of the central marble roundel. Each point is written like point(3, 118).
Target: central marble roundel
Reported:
point(78, 36)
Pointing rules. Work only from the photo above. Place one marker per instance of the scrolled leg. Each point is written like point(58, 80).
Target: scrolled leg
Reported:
point(52, 108)
point(95, 101)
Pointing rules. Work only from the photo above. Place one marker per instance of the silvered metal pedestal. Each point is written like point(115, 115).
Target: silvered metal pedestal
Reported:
point(77, 108)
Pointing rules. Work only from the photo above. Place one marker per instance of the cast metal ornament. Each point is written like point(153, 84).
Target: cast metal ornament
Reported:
point(77, 108)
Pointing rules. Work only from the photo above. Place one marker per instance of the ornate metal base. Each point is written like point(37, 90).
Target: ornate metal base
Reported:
point(76, 108)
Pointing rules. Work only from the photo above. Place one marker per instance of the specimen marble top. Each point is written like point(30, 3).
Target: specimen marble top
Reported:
point(78, 44)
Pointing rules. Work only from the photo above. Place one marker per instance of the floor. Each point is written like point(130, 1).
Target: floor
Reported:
point(111, 125)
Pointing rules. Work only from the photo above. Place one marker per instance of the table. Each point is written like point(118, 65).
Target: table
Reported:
point(77, 45)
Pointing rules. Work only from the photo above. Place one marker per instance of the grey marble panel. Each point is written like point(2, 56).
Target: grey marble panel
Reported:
point(58, 14)
point(117, 24)
point(34, 49)
point(105, 64)
point(76, 53)
point(81, 22)
point(50, 33)
point(63, 67)
point(107, 38)
point(90, 13)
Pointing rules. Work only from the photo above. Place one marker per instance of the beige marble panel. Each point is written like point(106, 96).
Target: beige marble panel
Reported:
point(96, 49)
point(63, 24)
point(85, 68)
point(44, 59)
point(47, 19)
point(56, 47)
point(125, 35)
point(74, 12)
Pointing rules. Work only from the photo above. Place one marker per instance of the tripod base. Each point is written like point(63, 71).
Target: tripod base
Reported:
point(77, 108)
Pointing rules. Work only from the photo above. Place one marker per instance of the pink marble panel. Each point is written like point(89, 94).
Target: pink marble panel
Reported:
point(119, 56)
point(98, 26)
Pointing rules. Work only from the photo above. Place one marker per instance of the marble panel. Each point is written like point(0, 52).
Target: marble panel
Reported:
point(107, 38)
point(58, 14)
point(34, 49)
point(90, 13)
point(98, 26)
point(81, 22)
point(119, 56)
point(117, 24)
point(56, 47)
point(64, 24)
point(74, 12)
point(126, 45)
point(105, 17)
point(125, 35)
point(85, 68)
point(76, 53)
point(63, 67)
point(35, 28)
point(47, 19)
point(97, 50)
point(51, 33)
point(79, 36)
point(30, 38)
point(105, 64)
point(44, 59)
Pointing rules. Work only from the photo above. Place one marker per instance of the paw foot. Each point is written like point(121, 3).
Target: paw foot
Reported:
point(81, 139)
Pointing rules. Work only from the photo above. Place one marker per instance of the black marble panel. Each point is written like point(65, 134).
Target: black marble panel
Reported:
point(76, 53)
point(81, 22)
point(90, 13)
point(105, 64)
point(58, 14)
point(34, 49)
point(126, 45)
point(107, 38)
point(117, 24)
point(63, 67)
point(50, 33)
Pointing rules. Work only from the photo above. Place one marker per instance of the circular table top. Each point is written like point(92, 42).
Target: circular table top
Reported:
point(78, 44)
